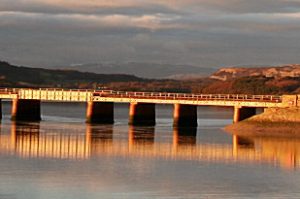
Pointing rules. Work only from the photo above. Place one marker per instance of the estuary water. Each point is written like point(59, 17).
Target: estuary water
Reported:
point(61, 157)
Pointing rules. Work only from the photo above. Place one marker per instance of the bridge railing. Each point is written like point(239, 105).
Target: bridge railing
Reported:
point(186, 96)
point(156, 95)
point(16, 90)
point(9, 90)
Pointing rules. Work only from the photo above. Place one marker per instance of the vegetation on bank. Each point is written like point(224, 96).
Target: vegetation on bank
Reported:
point(15, 76)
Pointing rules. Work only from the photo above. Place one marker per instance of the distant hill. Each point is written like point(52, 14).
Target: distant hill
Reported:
point(278, 72)
point(257, 80)
point(235, 80)
point(38, 77)
point(145, 70)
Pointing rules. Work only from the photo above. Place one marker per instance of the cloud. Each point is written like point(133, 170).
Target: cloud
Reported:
point(200, 32)
point(236, 6)
point(151, 6)
point(85, 22)
point(128, 7)
point(234, 15)
point(272, 23)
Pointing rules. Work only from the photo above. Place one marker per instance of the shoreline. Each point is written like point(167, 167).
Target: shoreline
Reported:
point(273, 122)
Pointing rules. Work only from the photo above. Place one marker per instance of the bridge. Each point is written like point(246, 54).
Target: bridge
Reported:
point(26, 104)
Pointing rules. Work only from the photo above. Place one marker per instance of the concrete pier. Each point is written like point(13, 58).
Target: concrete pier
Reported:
point(242, 113)
point(142, 114)
point(26, 110)
point(185, 115)
point(100, 112)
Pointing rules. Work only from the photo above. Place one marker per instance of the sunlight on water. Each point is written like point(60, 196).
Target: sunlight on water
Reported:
point(62, 157)
point(74, 141)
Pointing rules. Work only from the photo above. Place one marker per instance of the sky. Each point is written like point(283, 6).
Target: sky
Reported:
point(204, 33)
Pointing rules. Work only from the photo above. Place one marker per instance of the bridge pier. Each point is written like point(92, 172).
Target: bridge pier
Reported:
point(185, 115)
point(100, 112)
point(26, 110)
point(142, 114)
point(242, 113)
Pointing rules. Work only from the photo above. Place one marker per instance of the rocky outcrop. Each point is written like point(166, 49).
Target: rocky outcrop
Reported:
point(275, 72)
point(278, 115)
point(273, 122)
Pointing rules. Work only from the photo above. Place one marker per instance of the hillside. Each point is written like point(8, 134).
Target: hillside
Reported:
point(144, 70)
point(260, 80)
point(271, 80)
point(19, 76)
point(279, 72)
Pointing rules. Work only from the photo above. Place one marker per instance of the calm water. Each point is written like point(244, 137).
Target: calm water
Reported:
point(62, 157)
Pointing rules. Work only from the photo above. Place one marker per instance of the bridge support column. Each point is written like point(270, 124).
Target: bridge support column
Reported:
point(26, 110)
point(100, 112)
point(142, 114)
point(242, 113)
point(185, 115)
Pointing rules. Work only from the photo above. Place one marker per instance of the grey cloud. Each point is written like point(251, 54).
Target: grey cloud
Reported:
point(261, 6)
point(199, 32)
point(76, 23)
point(111, 24)
point(140, 7)
point(57, 7)
point(241, 6)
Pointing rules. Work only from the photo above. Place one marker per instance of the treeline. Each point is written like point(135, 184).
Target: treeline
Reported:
point(243, 85)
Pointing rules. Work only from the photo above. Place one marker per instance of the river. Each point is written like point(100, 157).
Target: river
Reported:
point(61, 157)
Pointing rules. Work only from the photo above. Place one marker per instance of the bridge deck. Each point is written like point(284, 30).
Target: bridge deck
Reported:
point(143, 97)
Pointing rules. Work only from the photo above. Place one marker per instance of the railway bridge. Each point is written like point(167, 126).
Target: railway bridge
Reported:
point(26, 103)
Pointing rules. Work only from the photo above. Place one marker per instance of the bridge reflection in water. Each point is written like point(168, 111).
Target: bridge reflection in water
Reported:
point(32, 141)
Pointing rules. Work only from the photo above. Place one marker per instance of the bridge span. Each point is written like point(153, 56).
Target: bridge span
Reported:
point(100, 104)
